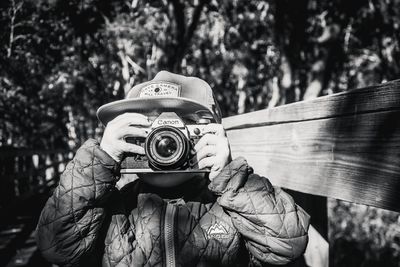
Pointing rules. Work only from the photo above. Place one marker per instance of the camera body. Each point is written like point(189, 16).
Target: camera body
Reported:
point(169, 146)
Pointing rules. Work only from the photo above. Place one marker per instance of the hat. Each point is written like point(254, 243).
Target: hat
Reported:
point(189, 97)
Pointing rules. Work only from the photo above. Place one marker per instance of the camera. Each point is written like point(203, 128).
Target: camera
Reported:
point(169, 146)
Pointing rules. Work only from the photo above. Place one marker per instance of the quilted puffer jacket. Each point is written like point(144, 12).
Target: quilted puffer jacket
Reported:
point(238, 219)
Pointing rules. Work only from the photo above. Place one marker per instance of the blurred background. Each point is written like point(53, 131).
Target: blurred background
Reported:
point(61, 60)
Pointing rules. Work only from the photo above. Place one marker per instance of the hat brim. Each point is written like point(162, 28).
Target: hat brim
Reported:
point(183, 107)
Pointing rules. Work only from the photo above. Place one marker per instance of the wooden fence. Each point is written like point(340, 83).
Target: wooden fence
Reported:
point(24, 171)
point(344, 146)
point(26, 178)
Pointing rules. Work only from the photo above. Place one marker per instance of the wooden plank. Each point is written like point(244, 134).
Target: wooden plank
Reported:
point(364, 100)
point(25, 253)
point(317, 251)
point(346, 153)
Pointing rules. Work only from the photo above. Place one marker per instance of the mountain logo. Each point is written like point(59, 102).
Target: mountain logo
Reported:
point(217, 231)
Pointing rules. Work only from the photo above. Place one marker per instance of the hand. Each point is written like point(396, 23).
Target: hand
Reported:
point(124, 125)
point(213, 149)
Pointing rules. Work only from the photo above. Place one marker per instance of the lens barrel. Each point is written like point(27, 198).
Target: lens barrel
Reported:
point(167, 148)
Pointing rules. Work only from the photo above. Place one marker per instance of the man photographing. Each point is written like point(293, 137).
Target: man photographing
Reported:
point(192, 205)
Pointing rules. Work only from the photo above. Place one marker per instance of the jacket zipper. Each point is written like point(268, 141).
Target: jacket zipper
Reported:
point(169, 235)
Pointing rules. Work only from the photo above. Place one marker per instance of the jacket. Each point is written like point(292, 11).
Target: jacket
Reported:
point(238, 219)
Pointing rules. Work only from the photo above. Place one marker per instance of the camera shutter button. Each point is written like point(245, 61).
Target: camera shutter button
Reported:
point(196, 131)
point(204, 121)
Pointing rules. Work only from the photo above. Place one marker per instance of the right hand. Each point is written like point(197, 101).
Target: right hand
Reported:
point(124, 125)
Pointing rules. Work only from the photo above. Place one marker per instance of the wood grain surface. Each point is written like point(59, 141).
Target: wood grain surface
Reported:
point(344, 146)
point(358, 101)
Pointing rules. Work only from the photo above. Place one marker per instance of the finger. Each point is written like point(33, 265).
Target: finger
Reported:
point(127, 119)
point(207, 139)
point(131, 131)
point(207, 162)
point(206, 151)
point(131, 148)
point(214, 128)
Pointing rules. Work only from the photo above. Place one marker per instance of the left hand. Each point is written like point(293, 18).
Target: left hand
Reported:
point(213, 149)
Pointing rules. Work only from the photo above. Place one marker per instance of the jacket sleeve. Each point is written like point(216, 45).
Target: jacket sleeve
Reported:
point(72, 217)
point(274, 228)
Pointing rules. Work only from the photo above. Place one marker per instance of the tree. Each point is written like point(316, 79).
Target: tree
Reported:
point(63, 59)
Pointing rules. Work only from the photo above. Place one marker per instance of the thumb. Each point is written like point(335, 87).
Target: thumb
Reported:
point(214, 172)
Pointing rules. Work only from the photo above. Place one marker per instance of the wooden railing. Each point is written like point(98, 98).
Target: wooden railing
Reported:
point(24, 172)
point(344, 146)
point(26, 178)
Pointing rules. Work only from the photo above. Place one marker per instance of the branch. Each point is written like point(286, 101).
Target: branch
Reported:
point(275, 93)
point(185, 36)
point(125, 71)
point(135, 66)
point(13, 14)
point(179, 14)
point(195, 20)
point(19, 37)
point(313, 89)
point(316, 78)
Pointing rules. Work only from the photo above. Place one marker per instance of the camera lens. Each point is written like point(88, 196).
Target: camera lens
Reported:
point(166, 146)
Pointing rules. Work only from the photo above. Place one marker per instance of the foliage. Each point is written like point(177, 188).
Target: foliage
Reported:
point(60, 60)
point(363, 236)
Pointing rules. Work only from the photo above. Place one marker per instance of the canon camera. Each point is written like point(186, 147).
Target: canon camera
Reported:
point(169, 146)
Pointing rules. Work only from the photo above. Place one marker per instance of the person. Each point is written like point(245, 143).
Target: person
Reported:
point(229, 217)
